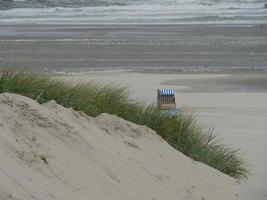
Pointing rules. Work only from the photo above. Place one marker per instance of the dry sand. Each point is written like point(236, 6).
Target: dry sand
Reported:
point(236, 104)
point(51, 152)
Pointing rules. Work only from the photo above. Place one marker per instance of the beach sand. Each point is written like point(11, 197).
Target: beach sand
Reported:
point(236, 104)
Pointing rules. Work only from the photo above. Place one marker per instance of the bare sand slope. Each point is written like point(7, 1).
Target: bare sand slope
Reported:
point(51, 152)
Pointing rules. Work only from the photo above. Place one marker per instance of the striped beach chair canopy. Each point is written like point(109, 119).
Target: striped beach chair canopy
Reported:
point(166, 91)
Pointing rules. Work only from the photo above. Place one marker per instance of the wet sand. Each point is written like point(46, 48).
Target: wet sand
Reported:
point(239, 114)
point(96, 47)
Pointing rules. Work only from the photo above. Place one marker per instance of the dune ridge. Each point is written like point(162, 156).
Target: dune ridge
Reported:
point(51, 152)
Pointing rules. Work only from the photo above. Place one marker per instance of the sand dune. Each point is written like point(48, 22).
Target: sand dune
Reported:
point(51, 152)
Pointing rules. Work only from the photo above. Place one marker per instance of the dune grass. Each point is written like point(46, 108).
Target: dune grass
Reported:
point(181, 131)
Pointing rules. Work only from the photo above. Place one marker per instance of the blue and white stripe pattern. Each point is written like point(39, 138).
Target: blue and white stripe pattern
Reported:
point(167, 91)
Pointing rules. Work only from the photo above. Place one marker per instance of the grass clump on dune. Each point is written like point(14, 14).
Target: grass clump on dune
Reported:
point(181, 131)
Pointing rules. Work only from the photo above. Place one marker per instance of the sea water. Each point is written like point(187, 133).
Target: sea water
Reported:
point(133, 11)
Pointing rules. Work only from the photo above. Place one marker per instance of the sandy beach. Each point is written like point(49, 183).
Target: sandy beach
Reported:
point(66, 141)
point(236, 104)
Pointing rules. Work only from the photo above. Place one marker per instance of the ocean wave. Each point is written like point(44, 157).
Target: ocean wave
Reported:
point(134, 11)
